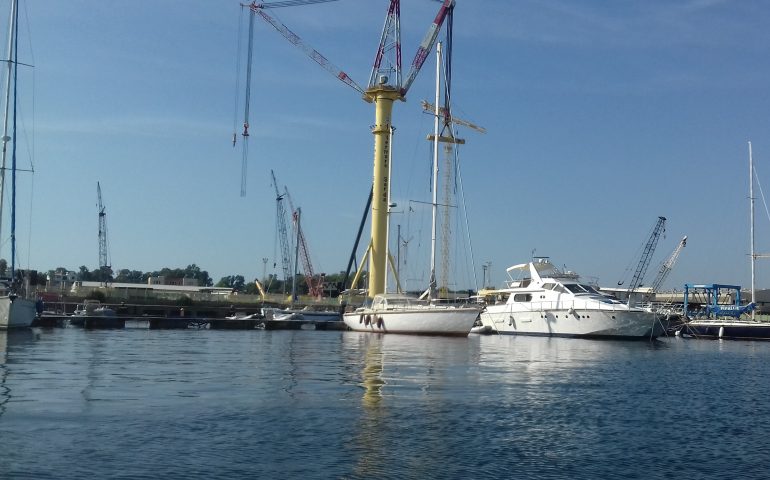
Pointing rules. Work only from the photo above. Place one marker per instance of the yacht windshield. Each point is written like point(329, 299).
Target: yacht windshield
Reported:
point(579, 288)
point(574, 288)
point(589, 289)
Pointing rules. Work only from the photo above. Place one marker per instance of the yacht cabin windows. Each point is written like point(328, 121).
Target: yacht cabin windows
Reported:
point(522, 297)
point(578, 288)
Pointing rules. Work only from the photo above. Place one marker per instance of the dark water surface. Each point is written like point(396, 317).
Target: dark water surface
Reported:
point(310, 404)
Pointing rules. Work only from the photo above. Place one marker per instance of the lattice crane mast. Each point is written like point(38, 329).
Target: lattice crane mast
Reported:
point(649, 249)
point(448, 140)
point(282, 233)
point(383, 90)
point(104, 254)
point(314, 286)
point(667, 266)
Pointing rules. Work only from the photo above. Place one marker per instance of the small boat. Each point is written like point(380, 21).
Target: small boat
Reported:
point(92, 314)
point(546, 301)
point(301, 314)
point(244, 316)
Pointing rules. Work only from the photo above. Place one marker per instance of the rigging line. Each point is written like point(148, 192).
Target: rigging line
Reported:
point(29, 217)
point(467, 227)
point(764, 202)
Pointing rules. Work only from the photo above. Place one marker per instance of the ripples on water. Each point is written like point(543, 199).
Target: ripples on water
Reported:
point(304, 404)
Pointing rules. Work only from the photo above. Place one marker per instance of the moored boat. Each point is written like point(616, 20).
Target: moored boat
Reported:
point(398, 313)
point(544, 300)
point(15, 310)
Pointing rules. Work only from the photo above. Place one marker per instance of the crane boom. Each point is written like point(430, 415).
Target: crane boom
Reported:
point(649, 249)
point(427, 44)
point(315, 55)
point(666, 267)
point(282, 232)
point(430, 108)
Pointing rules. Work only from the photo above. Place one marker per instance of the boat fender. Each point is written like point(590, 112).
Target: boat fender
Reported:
point(571, 311)
point(361, 318)
point(721, 332)
point(367, 320)
point(379, 322)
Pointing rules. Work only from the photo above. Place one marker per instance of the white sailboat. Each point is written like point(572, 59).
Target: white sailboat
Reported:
point(15, 311)
point(399, 313)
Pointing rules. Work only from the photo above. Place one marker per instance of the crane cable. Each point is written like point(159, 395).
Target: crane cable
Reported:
point(237, 77)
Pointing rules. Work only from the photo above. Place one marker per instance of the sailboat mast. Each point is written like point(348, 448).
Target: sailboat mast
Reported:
point(437, 112)
point(751, 203)
point(13, 154)
point(5, 139)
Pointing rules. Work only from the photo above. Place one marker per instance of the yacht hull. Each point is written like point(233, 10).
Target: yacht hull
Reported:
point(573, 323)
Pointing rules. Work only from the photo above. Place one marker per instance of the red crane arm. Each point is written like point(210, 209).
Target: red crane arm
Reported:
point(427, 44)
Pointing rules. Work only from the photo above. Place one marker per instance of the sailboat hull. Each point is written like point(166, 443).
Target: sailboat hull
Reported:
point(16, 313)
point(449, 321)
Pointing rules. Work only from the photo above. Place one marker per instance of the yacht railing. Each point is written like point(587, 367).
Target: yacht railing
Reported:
point(577, 304)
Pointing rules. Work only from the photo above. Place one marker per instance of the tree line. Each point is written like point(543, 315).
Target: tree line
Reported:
point(238, 283)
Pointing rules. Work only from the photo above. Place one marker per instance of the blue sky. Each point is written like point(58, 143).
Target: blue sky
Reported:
point(601, 116)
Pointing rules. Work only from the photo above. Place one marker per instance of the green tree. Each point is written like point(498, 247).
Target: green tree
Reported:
point(103, 274)
point(130, 276)
point(84, 275)
point(236, 282)
point(3, 267)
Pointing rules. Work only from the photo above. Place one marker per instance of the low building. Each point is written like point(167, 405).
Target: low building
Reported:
point(129, 291)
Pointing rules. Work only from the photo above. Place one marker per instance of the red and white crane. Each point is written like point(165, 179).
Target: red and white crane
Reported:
point(314, 285)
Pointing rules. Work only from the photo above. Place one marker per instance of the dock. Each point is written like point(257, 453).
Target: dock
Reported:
point(98, 322)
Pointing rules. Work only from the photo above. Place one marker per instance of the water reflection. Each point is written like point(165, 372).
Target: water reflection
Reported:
point(9, 341)
point(369, 461)
point(372, 376)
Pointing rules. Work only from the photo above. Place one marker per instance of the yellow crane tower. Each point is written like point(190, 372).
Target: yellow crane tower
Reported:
point(384, 88)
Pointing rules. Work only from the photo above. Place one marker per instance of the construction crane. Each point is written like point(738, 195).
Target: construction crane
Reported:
point(314, 286)
point(259, 9)
point(104, 254)
point(282, 234)
point(383, 90)
point(442, 111)
point(644, 261)
point(666, 266)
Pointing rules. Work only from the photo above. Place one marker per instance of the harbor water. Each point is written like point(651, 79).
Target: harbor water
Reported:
point(204, 404)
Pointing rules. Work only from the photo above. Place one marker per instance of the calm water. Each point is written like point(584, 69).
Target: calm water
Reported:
point(309, 404)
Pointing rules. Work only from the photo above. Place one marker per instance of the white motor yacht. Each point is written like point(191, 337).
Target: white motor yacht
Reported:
point(544, 300)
